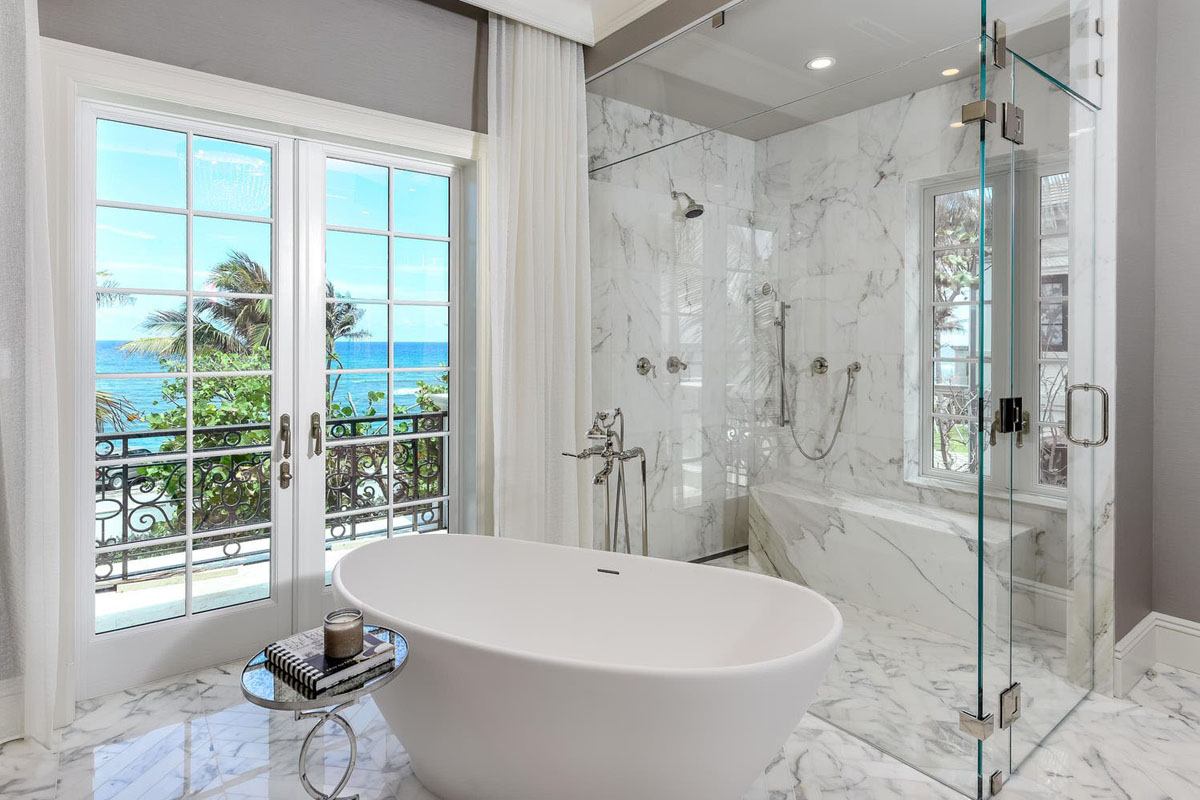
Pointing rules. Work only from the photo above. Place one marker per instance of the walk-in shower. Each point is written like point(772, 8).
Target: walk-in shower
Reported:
point(868, 286)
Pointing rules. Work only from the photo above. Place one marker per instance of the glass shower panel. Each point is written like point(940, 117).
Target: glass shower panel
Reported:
point(1065, 28)
point(673, 285)
point(998, 175)
point(767, 53)
point(1051, 289)
point(867, 220)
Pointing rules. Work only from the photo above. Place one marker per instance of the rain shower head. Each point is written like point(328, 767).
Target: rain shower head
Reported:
point(692, 209)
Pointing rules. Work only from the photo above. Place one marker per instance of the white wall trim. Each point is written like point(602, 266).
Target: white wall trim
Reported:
point(1157, 639)
point(571, 19)
point(608, 23)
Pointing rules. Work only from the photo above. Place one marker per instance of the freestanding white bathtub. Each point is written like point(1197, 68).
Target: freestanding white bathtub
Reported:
point(540, 672)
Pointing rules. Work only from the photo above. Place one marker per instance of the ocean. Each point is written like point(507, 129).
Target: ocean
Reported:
point(352, 389)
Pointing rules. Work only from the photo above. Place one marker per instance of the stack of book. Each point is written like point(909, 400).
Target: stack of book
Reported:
point(301, 661)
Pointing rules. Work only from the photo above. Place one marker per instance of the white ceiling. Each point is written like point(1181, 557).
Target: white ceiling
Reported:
point(756, 61)
point(585, 21)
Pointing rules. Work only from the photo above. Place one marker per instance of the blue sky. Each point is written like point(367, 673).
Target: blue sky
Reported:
point(140, 249)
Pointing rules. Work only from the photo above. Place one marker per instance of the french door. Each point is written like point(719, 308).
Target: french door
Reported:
point(375, 365)
point(270, 364)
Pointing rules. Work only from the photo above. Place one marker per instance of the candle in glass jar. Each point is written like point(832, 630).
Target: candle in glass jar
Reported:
point(343, 633)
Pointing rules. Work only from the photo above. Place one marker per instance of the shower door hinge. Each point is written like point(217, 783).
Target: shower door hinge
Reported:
point(996, 783)
point(1010, 706)
point(980, 110)
point(1100, 67)
point(976, 727)
point(1000, 37)
point(1012, 123)
point(718, 19)
point(1099, 26)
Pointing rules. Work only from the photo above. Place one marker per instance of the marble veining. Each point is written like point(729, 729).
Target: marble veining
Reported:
point(664, 285)
point(194, 736)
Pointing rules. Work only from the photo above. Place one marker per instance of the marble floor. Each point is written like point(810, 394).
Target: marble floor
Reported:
point(194, 736)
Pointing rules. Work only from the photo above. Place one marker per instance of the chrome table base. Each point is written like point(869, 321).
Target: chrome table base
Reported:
point(322, 717)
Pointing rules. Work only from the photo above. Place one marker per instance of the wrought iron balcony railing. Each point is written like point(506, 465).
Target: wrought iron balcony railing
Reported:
point(147, 500)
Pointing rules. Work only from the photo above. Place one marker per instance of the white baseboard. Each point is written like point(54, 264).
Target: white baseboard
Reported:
point(1157, 639)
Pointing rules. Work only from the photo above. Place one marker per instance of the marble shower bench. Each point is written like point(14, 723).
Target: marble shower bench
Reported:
point(905, 560)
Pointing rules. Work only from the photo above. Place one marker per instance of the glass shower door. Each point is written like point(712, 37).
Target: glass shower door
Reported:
point(1039, 423)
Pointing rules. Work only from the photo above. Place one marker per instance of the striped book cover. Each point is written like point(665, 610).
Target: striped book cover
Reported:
point(302, 658)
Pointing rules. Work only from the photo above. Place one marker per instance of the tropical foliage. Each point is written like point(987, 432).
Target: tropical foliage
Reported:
point(233, 333)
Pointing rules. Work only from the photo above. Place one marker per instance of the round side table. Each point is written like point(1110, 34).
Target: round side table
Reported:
point(263, 688)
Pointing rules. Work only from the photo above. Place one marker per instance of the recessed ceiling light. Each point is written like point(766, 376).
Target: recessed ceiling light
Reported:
point(821, 62)
point(950, 71)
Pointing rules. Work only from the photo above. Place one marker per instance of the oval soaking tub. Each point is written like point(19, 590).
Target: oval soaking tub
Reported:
point(542, 672)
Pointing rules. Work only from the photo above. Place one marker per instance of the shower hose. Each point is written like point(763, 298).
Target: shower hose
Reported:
point(836, 431)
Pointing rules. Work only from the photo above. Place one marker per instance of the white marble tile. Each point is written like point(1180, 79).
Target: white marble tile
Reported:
point(1107, 748)
point(28, 771)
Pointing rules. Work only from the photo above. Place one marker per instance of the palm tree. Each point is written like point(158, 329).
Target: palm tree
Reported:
point(227, 324)
point(236, 325)
point(113, 410)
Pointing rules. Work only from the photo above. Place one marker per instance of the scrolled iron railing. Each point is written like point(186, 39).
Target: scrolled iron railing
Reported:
point(143, 501)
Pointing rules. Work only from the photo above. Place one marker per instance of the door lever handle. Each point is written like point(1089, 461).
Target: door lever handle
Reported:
point(285, 433)
point(314, 431)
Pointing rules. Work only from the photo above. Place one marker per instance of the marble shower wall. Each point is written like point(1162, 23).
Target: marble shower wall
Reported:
point(840, 199)
point(663, 285)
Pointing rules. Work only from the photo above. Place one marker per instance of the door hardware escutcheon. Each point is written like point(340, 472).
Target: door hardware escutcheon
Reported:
point(285, 474)
point(314, 430)
point(285, 433)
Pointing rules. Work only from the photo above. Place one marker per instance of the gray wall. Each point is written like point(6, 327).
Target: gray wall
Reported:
point(1134, 396)
point(1177, 315)
point(426, 60)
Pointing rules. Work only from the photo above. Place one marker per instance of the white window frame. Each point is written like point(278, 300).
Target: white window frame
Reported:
point(316, 598)
point(122, 651)
point(73, 73)
point(1007, 466)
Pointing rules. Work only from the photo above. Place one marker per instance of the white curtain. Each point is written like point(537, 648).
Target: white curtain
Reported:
point(540, 283)
point(29, 476)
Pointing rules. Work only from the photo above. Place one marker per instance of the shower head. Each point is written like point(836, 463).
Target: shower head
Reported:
point(766, 290)
point(692, 209)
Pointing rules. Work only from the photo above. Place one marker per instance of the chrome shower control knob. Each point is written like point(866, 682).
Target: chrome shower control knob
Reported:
point(644, 367)
point(675, 363)
point(820, 365)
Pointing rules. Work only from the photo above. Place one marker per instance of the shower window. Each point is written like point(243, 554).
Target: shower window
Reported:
point(956, 368)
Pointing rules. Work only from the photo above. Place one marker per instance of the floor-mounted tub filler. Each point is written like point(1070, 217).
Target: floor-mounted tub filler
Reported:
point(541, 672)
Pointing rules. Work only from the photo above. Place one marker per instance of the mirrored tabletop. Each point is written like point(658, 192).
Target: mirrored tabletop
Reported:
point(261, 686)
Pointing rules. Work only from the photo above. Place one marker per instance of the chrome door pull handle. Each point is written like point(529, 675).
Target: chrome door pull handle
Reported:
point(285, 433)
point(285, 474)
point(1088, 387)
point(314, 431)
